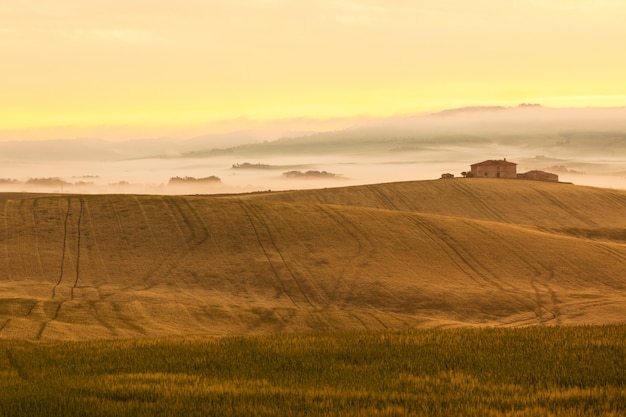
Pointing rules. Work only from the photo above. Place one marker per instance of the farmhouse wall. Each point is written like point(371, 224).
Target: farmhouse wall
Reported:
point(494, 169)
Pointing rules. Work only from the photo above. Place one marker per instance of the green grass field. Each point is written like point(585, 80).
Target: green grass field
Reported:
point(534, 371)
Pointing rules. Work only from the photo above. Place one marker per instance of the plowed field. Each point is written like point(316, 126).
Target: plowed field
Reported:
point(419, 254)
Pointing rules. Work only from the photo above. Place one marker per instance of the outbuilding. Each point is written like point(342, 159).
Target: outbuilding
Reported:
point(538, 176)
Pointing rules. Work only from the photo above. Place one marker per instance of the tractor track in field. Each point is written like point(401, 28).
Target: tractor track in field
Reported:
point(608, 249)
point(167, 203)
point(383, 198)
point(435, 235)
point(619, 200)
point(78, 248)
point(95, 239)
point(356, 316)
point(353, 231)
point(251, 210)
point(316, 291)
point(342, 222)
point(96, 315)
point(409, 205)
point(378, 319)
point(36, 232)
point(318, 198)
point(304, 276)
point(148, 276)
point(480, 205)
point(540, 306)
point(6, 239)
point(68, 213)
point(472, 263)
point(64, 254)
point(32, 307)
point(267, 256)
point(180, 210)
point(123, 232)
point(366, 251)
point(399, 242)
point(198, 231)
point(553, 309)
point(207, 234)
point(200, 234)
point(568, 210)
point(5, 324)
point(554, 299)
point(468, 263)
point(45, 324)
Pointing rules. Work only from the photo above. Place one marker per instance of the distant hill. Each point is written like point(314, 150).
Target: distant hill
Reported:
point(564, 132)
point(415, 254)
point(571, 133)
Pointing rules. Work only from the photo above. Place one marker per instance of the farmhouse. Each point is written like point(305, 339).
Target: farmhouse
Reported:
point(539, 176)
point(494, 169)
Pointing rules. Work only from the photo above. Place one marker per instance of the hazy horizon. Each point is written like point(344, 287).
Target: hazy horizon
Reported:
point(582, 146)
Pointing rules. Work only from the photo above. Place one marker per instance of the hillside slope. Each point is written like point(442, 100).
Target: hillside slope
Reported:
point(583, 211)
point(84, 267)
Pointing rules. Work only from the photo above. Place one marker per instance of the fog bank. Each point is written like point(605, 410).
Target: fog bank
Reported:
point(582, 146)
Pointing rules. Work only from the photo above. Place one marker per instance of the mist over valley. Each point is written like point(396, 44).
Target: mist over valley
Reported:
point(582, 146)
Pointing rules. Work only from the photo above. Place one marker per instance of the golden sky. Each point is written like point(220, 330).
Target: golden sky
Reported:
point(147, 64)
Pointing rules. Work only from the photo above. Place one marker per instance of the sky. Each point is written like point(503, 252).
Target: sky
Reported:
point(113, 68)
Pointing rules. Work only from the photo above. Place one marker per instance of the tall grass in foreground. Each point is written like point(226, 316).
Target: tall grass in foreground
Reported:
point(556, 371)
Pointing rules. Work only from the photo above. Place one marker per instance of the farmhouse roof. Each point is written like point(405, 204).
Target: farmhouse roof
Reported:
point(493, 162)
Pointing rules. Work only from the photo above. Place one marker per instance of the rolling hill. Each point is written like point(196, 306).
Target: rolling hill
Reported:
point(414, 254)
point(549, 206)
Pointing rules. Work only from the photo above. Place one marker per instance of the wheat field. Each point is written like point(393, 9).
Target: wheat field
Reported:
point(447, 253)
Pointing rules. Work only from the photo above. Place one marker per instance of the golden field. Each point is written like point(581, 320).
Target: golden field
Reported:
point(444, 253)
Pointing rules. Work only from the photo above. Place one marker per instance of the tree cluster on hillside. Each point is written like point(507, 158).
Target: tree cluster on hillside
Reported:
point(192, 180)
point(47, 182)
point(9, 181)
point(308, 174)
point(247, 165)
